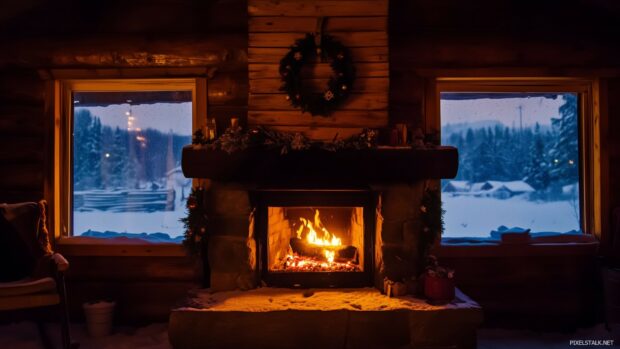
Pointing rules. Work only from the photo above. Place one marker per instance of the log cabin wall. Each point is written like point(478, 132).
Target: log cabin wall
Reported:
point(487, 38)
point(359, 25)
point(427, 39)
point(113, 39)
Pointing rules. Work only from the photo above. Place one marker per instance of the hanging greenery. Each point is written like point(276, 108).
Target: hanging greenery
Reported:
point(235, 139)
point(196, 221)
point(431, 214)
point(339, 85)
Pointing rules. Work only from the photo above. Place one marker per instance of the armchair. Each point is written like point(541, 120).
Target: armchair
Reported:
point(31, 274)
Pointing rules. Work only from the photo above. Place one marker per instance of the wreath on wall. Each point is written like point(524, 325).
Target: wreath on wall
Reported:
point(306, 50)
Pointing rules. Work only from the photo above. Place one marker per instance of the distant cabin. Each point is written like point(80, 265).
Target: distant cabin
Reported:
point(457, 187)
point(495, 189)
point(501, 190)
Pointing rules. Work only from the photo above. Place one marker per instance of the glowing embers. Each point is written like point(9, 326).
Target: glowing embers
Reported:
point(296, 263)
point(301, 242)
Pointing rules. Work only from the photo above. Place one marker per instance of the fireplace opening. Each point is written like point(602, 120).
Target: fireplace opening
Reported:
point(315, 238)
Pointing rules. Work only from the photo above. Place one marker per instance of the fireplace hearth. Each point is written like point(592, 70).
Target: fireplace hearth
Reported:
point(315, 238)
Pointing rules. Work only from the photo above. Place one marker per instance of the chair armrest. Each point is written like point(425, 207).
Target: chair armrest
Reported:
point(61, 263)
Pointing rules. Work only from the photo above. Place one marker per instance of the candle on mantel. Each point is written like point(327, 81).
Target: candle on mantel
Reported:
point(210, 129)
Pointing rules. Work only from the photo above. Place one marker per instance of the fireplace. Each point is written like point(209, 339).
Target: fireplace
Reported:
point(315, 238)
point(250, 191)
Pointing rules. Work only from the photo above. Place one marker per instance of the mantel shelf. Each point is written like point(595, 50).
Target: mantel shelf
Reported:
point(320, 166)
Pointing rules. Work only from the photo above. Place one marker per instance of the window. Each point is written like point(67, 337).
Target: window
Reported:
point(521, 157)
point(119, 148)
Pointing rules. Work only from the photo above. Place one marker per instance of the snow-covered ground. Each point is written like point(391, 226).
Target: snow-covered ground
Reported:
point(478, 216)
point(166, 222)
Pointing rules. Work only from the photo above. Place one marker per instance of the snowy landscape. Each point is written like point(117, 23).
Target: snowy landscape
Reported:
point(127, 177)
point(518, 163)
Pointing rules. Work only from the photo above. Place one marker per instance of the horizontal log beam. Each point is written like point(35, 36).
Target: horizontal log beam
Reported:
point(123, 51)
point(358, 54)
point(363, 85)
point(308, 24)
point(340, 118)
point(318, 8)
point(349, 39)
point(320, 70)
point(365, 101)
point(318, 166)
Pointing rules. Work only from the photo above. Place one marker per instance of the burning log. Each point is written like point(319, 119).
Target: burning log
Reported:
point(343, 254)
point(296, 263)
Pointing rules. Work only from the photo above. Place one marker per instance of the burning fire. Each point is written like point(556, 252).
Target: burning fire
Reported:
point(324, 252)
point(313, 237)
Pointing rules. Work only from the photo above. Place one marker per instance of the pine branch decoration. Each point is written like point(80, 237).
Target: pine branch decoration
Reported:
point(196, 221)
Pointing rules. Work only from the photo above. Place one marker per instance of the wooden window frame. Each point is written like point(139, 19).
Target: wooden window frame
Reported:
point(59, 192)
point(588, 90)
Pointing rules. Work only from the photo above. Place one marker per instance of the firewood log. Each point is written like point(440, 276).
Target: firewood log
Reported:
point(343, 253)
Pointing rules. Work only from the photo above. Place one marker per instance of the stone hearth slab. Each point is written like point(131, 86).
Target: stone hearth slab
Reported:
point(321, 318)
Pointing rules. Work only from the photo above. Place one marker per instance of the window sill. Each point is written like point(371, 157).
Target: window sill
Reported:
point(102, 247)
point(580, 246)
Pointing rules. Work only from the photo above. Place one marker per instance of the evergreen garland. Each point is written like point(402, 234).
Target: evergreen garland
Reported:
point(339, 85)
point(196, 221)
point(432, 220)
point(235, 139)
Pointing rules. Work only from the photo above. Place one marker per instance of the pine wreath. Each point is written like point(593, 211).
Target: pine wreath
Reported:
point(339, 85)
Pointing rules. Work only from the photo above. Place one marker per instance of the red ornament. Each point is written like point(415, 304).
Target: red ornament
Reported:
point(191, 202)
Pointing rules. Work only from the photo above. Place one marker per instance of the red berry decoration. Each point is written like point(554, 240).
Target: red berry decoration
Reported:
point(191, 202)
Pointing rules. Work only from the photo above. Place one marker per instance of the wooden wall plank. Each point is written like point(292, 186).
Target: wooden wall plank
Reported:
point(354, 39)
point(135, 269)
point(277, 101)
point(360, 25)
point(363, 85)
point(258, 8)
point(321, 70)
point(358, 54)
point(308, 24)
point(344, 118)
point(21, 176)
point(21, 121)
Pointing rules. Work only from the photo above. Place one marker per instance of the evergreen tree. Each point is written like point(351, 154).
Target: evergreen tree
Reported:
point(81, 129)
point(93, 142)
point(565, 151)
point(107, 141)
point(537, 170)
point(480, 159)
point(118, 159)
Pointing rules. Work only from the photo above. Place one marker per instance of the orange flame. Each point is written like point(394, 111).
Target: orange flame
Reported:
point(325, 239)
point(313, 238)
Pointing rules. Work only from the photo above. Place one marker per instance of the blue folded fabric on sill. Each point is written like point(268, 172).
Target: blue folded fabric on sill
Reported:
point(149, 237)
point(495, 237)
point(497, 234)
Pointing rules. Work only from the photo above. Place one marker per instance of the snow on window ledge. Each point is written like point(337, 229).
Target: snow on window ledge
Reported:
point(118, 246)
point(535, 238)
point(542, 245)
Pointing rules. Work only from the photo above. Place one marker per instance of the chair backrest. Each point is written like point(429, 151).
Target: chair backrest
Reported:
point(28, 220)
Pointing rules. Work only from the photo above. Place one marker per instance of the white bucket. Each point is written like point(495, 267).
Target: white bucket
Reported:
point(99, 317)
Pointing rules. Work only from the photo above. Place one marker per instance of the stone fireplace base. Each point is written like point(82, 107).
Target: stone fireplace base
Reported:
point(321, 318)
